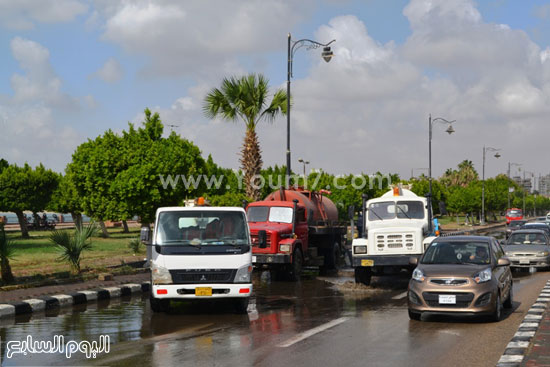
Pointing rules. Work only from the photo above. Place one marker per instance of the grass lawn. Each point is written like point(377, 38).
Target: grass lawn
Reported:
point(37, 257)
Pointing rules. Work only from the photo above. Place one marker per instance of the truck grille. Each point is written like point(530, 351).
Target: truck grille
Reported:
point(203, 276)
point(255, 239)
point(463, 300)
point(394, 241)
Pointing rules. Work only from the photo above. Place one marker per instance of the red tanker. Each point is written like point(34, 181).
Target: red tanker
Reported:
point(291, 228)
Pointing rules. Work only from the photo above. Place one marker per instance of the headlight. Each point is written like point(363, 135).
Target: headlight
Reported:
point(483, 276)
point(418, 275)
point(543, 253)
point(243, 274)
point(160, 275)
point(285, 248)
point(360, 250)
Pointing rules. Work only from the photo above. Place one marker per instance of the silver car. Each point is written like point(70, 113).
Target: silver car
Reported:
point(528, 248)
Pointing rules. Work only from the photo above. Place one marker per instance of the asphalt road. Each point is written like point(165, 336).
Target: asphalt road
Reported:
point(315, 322)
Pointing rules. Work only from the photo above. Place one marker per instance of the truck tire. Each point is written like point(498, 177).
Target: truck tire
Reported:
point(296, 266)
point(241, 305)
point(159, 305)
point(363, 275)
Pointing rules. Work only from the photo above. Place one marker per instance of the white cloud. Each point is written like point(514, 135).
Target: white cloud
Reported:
point(30, 117)
point(196, 37)
point(110, 72)
point(23, 14)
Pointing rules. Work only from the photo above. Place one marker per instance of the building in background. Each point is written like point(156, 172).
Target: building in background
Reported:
point(544, 185)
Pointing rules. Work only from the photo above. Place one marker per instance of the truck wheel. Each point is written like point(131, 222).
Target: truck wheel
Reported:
point(363, 275)
point(296, 266)
point(159, 305)
point(241, 305)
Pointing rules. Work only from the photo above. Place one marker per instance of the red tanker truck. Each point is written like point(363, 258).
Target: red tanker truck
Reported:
point(293, 228)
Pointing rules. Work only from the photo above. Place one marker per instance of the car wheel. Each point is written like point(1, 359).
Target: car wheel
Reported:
point(363, 275)
point(497, 313)
point(417, 316)
point(509, 303)
point(159, 305)
point(241, 305)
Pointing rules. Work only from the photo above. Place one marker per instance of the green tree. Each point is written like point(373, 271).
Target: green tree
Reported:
point(246, 98)
point(65, 199)
point(7, 250)
point(24, 188)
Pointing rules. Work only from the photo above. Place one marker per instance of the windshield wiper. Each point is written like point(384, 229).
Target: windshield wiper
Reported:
point(379, 217)
point(402, 211)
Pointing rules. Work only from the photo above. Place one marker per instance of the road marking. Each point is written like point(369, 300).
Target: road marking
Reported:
point(400, 296)
point(311, 332)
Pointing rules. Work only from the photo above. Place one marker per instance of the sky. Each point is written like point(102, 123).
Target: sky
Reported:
point(71, 69)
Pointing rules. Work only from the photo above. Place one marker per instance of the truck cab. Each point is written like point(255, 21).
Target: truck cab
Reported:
point(397, 228)
point(200, 253)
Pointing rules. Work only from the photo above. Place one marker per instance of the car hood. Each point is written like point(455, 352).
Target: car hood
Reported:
point(450, 270)
point(525, 248)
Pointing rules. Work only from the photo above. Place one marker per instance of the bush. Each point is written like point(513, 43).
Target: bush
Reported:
point(71, 245)
point(135, 245)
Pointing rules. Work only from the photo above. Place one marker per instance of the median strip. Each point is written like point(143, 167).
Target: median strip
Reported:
point(62, 300)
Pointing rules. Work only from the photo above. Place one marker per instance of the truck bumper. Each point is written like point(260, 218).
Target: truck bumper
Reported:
point(261, 259)
point(187, 291)
point(386, 260)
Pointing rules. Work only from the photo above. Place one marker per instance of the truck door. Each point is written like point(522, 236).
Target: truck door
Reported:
point(301, 227)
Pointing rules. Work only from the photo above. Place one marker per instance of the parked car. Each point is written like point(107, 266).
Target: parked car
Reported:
point(514, 225)
point(528, 248)
point(540, 220)
point(541, 226)
point(548, 218)
point(465, 275)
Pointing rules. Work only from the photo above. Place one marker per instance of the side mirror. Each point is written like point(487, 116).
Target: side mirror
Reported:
point(351, 212)
point(145, 235)
point(503, 261)
point(413, 260)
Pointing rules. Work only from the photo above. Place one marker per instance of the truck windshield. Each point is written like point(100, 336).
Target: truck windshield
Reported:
point(391, 210)
point(273, 214)
point(198, 228)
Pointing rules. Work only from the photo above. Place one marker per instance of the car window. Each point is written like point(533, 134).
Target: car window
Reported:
point(457, 252)
point(497, 252)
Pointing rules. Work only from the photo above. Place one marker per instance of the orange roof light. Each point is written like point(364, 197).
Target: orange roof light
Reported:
point(199, 201)
point(396, 191)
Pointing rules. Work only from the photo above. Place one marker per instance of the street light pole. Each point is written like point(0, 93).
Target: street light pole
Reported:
point(304, 163)
point(449, 130)
point(292, 47)
point(497, 155)
point(510, 164)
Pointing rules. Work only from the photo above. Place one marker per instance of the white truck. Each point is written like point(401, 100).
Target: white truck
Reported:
point(396, 229)
point(199, 253)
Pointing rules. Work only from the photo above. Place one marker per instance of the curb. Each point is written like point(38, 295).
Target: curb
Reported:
point(62, 300)
point(515, 350)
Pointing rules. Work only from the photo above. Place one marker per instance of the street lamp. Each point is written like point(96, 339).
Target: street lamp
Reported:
point(292, 48)
point(304, 162)
point(510, 164)
point(449, 131)
point(497, 155)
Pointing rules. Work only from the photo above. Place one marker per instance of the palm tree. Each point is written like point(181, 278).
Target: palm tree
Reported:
point(71, 245)
point(245, 98)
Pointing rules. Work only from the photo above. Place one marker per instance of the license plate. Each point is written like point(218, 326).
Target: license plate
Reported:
point(203, 291)
point(447, 299)
point(253, 259)
point(524, 261)
point(367, 262)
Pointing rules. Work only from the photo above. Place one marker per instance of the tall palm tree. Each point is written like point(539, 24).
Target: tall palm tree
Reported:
point(246, 98)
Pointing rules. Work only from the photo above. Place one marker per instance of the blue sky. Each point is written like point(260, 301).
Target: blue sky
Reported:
point(71, 69)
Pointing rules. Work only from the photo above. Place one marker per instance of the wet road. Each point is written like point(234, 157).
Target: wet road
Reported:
point(313, 322)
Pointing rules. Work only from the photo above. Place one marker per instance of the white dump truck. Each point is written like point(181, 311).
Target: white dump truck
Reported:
point(199, 253)
point(396, 229)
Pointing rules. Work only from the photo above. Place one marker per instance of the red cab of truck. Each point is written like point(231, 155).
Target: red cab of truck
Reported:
point(294, 227)
point(513, 214)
